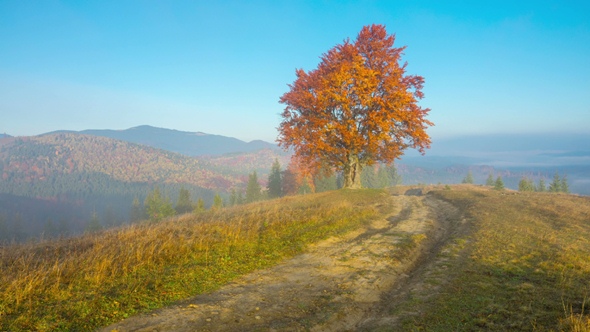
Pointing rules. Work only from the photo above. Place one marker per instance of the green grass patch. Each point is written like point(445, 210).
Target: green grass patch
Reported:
point(91, 281)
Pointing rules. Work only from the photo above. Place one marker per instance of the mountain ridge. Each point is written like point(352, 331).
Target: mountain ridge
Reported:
point(187, 143)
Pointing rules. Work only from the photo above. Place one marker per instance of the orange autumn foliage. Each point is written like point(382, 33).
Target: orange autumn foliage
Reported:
point(358, 107)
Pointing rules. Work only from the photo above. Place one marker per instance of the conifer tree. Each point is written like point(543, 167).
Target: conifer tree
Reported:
point(368, 177)
point(275, 182)
point(499, 184)
point(394, 177)
point(200, 206)
point(555, 185)
point(158, 207)
point(217, 202)
point(564, 187)
point(490, 180)
point(233, 197)
point(253, 191)
point(184, 203)
point(541, 187)
point(382, 178)
point(468, 178)
point(526, 184)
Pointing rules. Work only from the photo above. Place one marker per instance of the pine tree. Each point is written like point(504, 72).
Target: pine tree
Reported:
point(499, 184)
point(158, 207)
point(394, 177)
point(490, 180)
point(555, 185)
point(564, 187)
point(526, 184)
point(233, 197)
point(217, 202)
point(253, 191)
point(468, 178)
point(200, 206)
point(382, 178)
point(541, 187)
point(275, 182)
point(184, 204)
point(368, 177)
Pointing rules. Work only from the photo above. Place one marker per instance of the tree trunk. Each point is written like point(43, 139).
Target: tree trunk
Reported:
point(352, 173)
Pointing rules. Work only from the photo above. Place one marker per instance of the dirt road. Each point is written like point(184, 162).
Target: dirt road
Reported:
point(355, 282)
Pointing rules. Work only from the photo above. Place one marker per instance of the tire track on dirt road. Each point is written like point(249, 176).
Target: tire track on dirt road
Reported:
point(343, 283)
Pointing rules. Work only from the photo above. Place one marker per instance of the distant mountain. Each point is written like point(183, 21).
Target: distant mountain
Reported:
point(4, 135)
point(186, 143)
point(88, 174)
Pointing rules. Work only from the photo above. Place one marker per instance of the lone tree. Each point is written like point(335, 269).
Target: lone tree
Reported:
point(357, 108)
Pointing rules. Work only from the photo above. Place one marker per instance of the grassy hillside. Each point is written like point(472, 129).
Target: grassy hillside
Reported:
point(520, 261)
point(86, 282)
point(523, 264)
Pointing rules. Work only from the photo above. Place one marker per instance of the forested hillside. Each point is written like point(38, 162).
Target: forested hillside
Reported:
point(89, 175)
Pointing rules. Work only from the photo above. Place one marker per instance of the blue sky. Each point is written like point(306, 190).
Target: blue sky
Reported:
point(220, 67)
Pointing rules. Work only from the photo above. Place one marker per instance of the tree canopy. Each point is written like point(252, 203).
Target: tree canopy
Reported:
point(358, 107)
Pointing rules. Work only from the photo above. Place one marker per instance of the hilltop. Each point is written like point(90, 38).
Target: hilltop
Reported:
point(183, 142)
point(428, 258)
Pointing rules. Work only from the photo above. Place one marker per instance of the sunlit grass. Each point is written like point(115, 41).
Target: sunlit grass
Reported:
point(90, 281)
point(524, 265)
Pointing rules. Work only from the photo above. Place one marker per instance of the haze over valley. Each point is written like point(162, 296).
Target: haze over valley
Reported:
point(54, 183)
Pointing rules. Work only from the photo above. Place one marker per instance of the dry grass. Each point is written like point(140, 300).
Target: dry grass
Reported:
point(90, 281)
point(524, 265)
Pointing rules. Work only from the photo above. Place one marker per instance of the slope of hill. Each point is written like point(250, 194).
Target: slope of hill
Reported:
point(468, 258)
point(187, 143)
point(90, 172)
point(28, 165)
